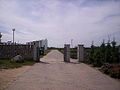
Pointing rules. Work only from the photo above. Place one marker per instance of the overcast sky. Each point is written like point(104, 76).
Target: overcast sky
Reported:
point(60, 21)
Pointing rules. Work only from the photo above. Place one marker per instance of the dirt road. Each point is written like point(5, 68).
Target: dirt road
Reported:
point(54, 74)
point(9, 75)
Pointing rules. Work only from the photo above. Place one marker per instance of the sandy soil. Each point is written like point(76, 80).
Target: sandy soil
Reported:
point(10, 75)
point(54, 74)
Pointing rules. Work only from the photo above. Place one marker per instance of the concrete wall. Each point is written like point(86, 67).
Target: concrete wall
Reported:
point(9, 51)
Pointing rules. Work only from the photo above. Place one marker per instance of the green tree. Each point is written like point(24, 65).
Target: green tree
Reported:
point(102, 51)
point(114, 52)
point(91, 56)
point(108, 56)
point(97, 58)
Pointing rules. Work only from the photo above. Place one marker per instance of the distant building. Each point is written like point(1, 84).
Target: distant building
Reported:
point(39, 43)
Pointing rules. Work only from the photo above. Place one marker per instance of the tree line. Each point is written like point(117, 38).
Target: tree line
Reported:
point(105, 53)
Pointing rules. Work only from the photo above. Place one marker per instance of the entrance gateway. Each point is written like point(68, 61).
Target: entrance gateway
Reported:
point(80, 53)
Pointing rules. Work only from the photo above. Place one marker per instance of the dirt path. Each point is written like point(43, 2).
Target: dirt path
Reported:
point(54, 74)
point(8, 76)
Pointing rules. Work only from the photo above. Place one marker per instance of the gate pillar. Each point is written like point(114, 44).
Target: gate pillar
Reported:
point(36, 56)
point(80, 53)
point(67, 53)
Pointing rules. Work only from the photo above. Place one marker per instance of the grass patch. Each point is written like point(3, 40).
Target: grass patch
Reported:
point(7, 64)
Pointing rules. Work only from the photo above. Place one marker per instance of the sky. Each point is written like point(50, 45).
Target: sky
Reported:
point(60, 21)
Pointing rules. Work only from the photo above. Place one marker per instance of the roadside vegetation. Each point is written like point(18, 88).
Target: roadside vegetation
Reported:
point(73, 53)
point(105, 53)
point(106, 56)
point(7, 64)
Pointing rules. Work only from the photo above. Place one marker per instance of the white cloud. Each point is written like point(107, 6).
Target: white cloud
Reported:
point(59, 21)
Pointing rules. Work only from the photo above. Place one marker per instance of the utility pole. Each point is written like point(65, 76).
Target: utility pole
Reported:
point(13, 35)
point(13, 43)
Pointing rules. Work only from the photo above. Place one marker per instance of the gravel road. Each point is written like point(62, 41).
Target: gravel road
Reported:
point(54, 74)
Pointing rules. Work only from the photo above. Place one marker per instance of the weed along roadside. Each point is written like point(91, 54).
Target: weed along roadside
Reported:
point(107, 57)
point(7, 64)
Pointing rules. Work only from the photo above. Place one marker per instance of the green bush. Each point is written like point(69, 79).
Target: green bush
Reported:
point(105, 53)
point(97, 64)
